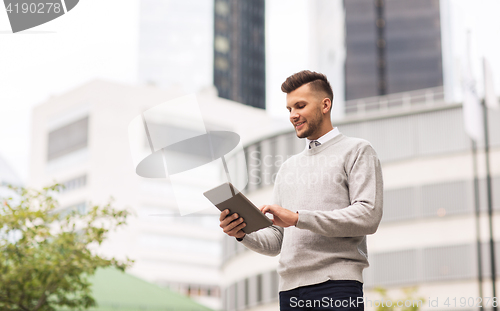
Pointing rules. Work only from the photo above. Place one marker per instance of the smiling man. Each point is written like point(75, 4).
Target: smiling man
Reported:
point(326, 199)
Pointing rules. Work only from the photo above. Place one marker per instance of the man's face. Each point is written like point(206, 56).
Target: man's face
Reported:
point(306, 115)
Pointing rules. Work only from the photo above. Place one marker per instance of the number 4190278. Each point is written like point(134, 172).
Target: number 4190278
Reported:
point(471, 302)
point(34, 8)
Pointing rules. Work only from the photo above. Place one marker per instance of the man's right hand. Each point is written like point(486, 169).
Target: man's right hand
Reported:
point(232, 225)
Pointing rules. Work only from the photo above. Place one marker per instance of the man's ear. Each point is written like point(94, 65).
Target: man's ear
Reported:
point(326, 105)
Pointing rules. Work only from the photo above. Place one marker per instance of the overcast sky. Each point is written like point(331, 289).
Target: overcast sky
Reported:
point(98, 39)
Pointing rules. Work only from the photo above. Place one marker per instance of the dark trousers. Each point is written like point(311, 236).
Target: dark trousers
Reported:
point(338, 295)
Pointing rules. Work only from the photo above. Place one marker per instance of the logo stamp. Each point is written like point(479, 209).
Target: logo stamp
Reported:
point(26, 14)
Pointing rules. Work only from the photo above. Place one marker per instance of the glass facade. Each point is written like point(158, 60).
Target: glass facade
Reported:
point(392, 47)
point(239, 51)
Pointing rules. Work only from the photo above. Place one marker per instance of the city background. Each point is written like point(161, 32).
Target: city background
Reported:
point(71, 87)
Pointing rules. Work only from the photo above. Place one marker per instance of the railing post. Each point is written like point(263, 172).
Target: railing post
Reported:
point(361, 106)
point(406, 100)
point(429, 97)
point(383, 103)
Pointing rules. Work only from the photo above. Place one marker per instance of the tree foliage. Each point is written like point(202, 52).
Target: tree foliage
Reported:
point(408, 303)
point(45, 253)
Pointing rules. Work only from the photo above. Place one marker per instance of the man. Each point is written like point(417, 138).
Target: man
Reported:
point(326, 200)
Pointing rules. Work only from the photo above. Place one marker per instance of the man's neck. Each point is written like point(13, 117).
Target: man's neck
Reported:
point(324, 130)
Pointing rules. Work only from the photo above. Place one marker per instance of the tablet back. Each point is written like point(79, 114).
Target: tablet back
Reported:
point(222, 197)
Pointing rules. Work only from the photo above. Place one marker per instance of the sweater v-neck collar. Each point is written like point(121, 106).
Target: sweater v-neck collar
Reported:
point(320, 148)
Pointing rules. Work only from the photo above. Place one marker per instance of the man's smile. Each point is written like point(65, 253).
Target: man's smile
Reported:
point(299, 125)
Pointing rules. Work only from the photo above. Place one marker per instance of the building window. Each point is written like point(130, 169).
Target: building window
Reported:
point(80, 208)
point(221, 64)
point(67, 139)
point(221, 44)
point(73, 184)
point(246, 289)
point(259, 288)
point(222, 8)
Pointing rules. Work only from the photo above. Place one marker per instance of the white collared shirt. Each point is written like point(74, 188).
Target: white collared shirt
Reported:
point(323, 139)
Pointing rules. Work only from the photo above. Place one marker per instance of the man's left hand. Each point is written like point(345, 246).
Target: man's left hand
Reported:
point(281, 216)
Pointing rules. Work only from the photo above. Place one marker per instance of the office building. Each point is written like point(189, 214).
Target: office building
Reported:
point(392, 47)
point(427, 237)
point(239, 51)
point(195, 44)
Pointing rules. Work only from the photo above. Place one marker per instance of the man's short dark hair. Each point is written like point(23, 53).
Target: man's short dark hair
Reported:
point(317, 81)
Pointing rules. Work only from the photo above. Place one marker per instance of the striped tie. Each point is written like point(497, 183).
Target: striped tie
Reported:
point(314, 143)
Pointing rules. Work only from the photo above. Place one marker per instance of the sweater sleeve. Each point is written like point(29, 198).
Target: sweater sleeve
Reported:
point(364, 213)
point(266, 241)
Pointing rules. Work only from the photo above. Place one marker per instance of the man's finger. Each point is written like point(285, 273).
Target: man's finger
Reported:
point(267, 209)
point(230, 227)
point(237, 229)
point(223, 214)
point(226, 221)
point(231, 222)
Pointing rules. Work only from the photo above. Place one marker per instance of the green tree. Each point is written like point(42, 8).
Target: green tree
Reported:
point(45, 254)
point(408, 303)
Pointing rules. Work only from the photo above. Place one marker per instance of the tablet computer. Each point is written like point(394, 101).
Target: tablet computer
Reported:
point(226, 196)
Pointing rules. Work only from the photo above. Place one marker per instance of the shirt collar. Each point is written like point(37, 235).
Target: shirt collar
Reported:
point(323, 139)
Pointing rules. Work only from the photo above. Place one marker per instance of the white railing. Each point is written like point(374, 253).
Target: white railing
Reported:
point(406, 100)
